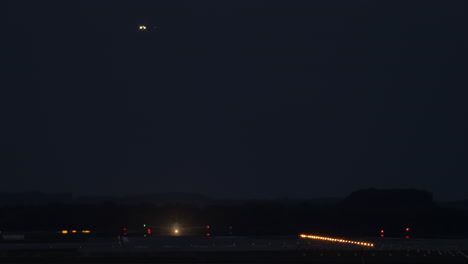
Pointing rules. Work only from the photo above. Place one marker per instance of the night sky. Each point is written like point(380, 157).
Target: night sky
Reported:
point(234, 99)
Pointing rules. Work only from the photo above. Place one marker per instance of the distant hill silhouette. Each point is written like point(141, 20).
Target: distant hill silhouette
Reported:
point(38, 198)
point(34, 198)
point(154, 198)
point(362, 213)
point(461, 204)
point(368, 198)
point(384, 198)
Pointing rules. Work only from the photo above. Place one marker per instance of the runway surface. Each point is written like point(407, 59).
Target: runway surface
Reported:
point(242, 250)
point(232, 243)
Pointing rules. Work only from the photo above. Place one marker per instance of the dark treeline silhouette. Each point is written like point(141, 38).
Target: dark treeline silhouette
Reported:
point(363, 213)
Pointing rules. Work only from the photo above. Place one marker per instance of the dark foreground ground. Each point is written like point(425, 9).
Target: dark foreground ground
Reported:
point(236, 250)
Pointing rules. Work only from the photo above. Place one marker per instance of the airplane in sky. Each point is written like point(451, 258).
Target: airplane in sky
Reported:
point(146, 28)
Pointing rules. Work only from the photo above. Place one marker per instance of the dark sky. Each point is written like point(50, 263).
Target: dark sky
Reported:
point(248, 99)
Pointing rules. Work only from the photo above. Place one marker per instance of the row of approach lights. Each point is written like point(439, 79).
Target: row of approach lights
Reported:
point(330, 239)
point(75, 231)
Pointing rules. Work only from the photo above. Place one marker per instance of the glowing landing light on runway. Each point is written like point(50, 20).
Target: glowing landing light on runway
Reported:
point(361, 243)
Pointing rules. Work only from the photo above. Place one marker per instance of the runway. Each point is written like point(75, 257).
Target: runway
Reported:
point(232, 243)
point(243, 250)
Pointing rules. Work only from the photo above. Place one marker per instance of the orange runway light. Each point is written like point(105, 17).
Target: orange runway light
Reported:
point(361, 243)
